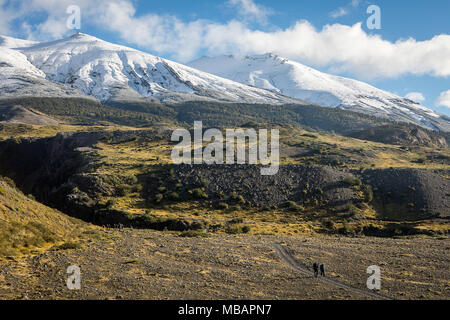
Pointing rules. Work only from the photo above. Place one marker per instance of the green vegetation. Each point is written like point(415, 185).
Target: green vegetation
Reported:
point(27, 226)
point(140, 114)
point(193, 234)
point(69, 246)
point(237, 229)
point(134, 188)
point(199, 193)
point(353, 181)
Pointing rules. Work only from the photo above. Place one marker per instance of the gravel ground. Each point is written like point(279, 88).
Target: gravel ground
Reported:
point(142, 264)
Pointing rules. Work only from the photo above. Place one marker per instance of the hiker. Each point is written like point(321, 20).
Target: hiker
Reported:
point(316, 269)
point(322, 270)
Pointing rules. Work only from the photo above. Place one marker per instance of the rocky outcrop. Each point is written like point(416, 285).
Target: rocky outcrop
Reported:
point(244, 184)
point(59, 171)
point(409, 194)
point(402, 135)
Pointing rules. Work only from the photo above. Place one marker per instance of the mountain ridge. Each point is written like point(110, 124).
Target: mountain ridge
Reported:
point(272, 72)
point(108, 71)
point(84, 66)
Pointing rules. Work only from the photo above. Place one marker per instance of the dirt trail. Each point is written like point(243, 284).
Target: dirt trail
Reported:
point(290, 260)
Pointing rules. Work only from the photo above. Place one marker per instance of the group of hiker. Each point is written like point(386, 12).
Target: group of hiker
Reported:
point(318, 267)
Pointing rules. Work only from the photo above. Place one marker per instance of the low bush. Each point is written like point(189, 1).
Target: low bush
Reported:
point(69, 246)
point(199, 194)
point(294, 207)
point(193, 234)
point(237, 229)
point(353, 181)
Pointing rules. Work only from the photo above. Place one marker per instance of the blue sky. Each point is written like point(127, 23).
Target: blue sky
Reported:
point(184, 30)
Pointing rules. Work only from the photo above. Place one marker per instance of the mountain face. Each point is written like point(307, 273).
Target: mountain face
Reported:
point(111, 72)
point(295, 80)
point(19, 77)
point(84, 66)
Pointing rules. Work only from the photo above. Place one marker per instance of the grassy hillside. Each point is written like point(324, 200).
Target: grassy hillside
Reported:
point(27, 226)
point(121, 180)
point(85, 111)
point(141, 114)
point(129, 144)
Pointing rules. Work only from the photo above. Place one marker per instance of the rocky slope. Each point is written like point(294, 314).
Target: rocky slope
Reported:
point(60, 171)
point(402, 135)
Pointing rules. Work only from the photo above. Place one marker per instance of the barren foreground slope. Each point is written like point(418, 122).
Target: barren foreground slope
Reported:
point(136, 264)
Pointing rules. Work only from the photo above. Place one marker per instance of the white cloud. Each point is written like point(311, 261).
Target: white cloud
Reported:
point(415, 96)
point(163, 34)
point(343, 11)
point(444, 99)
point(340, 12)
point(250, 10)
point(355, 3)
point(340, 48)
point(54, 25)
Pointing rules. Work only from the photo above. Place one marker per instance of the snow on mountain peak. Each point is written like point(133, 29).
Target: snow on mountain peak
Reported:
point(83, 64)
point(8, 42)
point(108, 71)
point(293, 79)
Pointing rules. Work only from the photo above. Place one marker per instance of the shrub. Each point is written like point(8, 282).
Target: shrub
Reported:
point(223, 206)
point(193, 234)
point(368, 193)
point(240, 199)
point(352, 210)
point(346, 229)
point(236, 198)
point(421, 160)
point(233, 230)
point(294, 207)
point(330, 225)
point(134, 261)
point(10, 182)
point(199, 193)
point(131, 180)
point(196, 225)
point(123, 190)
point(236, 221)
point(353, 181)
point(110, 204)
point(237, 229)
point(159, 197)
point(69, 245)
point(310, 135)
point(174, 196)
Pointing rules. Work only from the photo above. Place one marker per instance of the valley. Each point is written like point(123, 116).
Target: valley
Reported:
point(208, 232)
point(143, 264)
point(87, 178)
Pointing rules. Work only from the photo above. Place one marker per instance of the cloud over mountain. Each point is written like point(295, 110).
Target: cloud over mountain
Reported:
point(340, 48)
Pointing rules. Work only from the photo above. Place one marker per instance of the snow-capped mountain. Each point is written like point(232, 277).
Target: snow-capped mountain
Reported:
point(85, 66)
point(293, 79)
point(108, 71)
point(8, 42)
point(18, 77)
